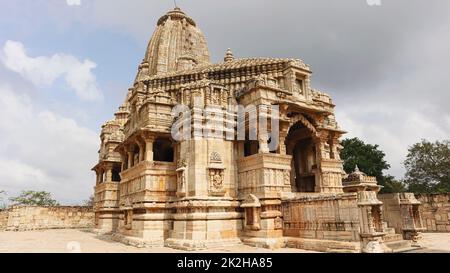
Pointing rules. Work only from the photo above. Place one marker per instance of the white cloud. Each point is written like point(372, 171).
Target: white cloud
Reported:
point(42, 150)
point(44, 71)
point(410, 105)
point(73, 2)
point(392, 127)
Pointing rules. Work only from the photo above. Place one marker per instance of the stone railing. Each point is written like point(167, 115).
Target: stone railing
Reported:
point(147, 181)
point(435, 210)
point(23, 218)
point(322, 216)
point(264, 174)
point(106, 195)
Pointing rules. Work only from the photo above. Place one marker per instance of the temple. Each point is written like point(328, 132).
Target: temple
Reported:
point(155, 189)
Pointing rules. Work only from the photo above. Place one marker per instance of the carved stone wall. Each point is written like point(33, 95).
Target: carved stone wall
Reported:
point(435, 211)
point(37, 218)
point(325, 217)
point(401, 211)
point(147, 181)
point(264, 175)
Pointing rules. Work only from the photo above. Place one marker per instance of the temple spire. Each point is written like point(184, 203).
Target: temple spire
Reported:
point(187, 47)
point(229, 56)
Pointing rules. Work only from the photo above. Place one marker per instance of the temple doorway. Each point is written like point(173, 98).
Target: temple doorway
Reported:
point(300, 144)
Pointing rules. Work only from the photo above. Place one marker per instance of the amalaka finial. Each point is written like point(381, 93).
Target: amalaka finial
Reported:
point(229, 56)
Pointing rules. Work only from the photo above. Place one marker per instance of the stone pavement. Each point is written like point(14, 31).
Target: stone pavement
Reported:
point(75, 241)
point(434, 243)
point(67, 241)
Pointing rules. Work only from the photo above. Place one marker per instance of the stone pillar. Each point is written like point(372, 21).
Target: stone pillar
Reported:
point(130, 158)
point(322, 154)
point(323, 145)
point(263, 128)
point(102, 176)
point(176, 152)
point(123, 156)
point(241, 153)
point(370, 219)
point(334, 149)
point(282, 145)
point(141, 151)
point(97, 177)
point(149, 140)
point(108, 177)
point(263, 144)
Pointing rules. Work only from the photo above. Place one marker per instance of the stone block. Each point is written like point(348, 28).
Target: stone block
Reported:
point(441, 228)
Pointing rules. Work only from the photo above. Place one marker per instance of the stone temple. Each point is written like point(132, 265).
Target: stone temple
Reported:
point(203, 192)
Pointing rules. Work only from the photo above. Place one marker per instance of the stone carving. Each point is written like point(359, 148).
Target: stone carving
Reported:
point(216, 178)
point(278, 223)
point(287, 177)
point(216, 173)
point(298, 86)
point(303, 120)
point(373, 247)
point(215, 158)
point(216, 181)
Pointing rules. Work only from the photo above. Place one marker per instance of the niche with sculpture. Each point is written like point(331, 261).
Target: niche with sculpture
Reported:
point(216, 175)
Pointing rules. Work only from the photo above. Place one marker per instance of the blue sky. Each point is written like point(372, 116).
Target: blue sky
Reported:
point(64, 70)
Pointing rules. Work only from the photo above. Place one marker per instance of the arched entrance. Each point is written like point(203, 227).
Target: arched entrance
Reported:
point(300, 143)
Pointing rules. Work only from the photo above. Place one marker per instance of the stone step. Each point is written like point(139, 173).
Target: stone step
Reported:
point(408, 249)
point(392, 237)
point(399, 246)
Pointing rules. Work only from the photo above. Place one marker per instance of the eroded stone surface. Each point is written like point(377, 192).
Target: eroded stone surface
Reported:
point(22, 218)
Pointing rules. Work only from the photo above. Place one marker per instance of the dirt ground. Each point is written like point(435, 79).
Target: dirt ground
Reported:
point(76, 241)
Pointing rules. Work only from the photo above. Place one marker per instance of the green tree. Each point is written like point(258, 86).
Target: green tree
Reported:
point(391, 184)
point(89, 202)
point(370, 160)
point(2, 205)
point(34, 198)
point(428, 167)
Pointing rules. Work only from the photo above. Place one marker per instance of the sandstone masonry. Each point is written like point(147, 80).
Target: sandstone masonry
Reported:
point(24, 218)
point(436, 212)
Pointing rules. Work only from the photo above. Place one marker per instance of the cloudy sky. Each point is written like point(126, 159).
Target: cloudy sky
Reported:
point(65, 66)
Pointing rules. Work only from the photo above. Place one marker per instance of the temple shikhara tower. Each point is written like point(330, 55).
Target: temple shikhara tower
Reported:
point(154, 189)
